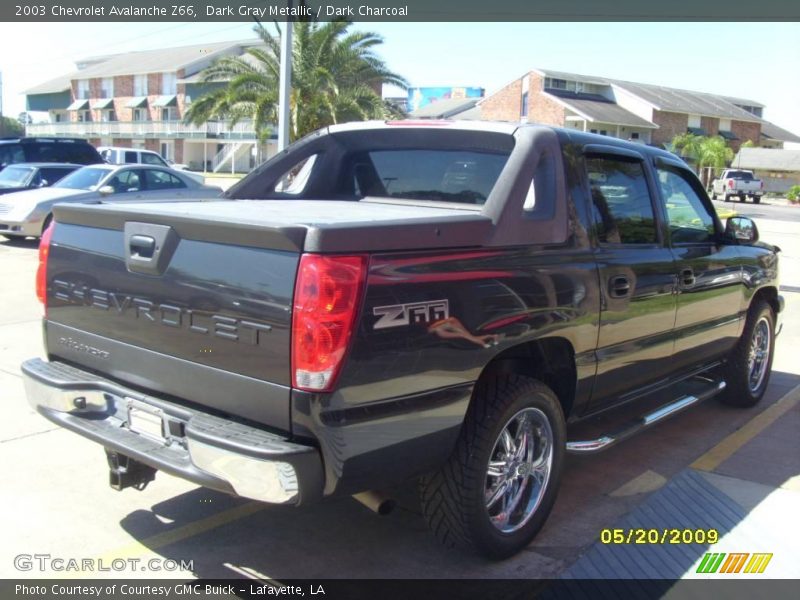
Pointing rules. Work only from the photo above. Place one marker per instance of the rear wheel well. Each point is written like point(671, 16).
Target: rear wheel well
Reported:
point(550, 360)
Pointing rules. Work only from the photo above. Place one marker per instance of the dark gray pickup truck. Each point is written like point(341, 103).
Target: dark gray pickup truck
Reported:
point(387, 301)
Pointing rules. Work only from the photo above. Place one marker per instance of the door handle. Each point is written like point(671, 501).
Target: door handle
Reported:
point(687, 277)
point(619, 286)
point(142, 246)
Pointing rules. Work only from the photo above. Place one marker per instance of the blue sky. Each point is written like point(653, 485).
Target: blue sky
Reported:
point(752, 60)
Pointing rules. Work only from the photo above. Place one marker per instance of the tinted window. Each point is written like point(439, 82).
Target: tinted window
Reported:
point(153, 159)
point(11, 153)
point(689, 219)
point(52, 175)
point(621, 201)
point(439, 175)
point(72, 152)
point(746, 175)
point(131, 157)
point(161, 180)
point(126, 181)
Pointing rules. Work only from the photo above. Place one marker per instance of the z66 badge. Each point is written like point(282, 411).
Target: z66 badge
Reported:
point(397, 315)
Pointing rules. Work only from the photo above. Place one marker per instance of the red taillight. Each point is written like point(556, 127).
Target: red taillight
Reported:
point(326, 299)
point(730, 183)
point(41, 271)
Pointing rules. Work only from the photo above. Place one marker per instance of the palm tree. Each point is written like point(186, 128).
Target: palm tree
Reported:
point(706, 152)
point(336, 77)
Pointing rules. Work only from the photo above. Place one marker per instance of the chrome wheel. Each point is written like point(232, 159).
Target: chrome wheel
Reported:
point(519, 470)
point(758, 358)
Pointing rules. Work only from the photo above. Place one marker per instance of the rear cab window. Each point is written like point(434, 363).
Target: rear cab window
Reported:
point(403, 165)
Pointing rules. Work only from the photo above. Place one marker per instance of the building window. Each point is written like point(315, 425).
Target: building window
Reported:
point(603, 132)
point(108, 116)
point(635, 135)
point(107, 87)
point(556, 84)
point(724, 124)
point(694, 120)
point(83, 89)
point(169, 114)
point(593, 131)
point(84, 116)
point(524, 109)
point(139, 114)
point(140, 85)
point(169, 84)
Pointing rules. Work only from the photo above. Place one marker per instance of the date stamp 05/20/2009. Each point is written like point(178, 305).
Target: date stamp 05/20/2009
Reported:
point(659, 536)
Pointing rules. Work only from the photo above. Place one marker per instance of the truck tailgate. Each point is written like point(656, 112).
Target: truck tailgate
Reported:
point(211, 324)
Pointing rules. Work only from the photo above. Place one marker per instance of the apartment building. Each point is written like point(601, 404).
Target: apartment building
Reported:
point(650, 114)
point(139, 99)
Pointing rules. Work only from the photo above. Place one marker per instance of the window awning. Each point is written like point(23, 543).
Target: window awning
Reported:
point(137, 102)
point(165, 101)
point(696, 130)
point(728, 135)
point(82, 104)
point(104, 104)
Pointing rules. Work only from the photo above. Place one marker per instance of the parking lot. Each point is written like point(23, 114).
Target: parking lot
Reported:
point(57, 502)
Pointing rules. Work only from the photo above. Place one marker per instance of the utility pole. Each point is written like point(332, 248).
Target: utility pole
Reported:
point(285, 87)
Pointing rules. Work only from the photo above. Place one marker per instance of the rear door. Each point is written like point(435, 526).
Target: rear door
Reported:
point(637, 277)
point(711, 297)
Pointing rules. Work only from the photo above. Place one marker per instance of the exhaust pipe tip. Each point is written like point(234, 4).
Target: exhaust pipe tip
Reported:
point(377, 502)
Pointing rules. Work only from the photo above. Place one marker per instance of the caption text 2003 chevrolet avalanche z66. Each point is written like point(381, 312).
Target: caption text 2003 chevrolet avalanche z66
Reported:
point(386, 301)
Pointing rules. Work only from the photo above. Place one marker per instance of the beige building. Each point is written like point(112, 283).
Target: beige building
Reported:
point(139, 99)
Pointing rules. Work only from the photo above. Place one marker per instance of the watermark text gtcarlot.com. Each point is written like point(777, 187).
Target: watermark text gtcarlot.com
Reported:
point(48, 562)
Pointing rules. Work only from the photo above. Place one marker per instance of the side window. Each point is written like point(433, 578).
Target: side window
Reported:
point(161, 180)
point(11, 154)
point(689, 219)
point(623, 212)
point(153, 159)
point(295, 179)
point(127, 181)
point(131, 157)
point(53, 175)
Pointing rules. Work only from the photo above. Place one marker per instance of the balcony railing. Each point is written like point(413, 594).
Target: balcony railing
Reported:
point(144, 129)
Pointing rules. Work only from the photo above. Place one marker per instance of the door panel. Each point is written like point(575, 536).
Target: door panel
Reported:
point(710, 287)
point(637, 280)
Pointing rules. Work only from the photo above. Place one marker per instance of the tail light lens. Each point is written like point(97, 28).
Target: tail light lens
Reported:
point(41, 271)
point(326, 300)
point(730, 183)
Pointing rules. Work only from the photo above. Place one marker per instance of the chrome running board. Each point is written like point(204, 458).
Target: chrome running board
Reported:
point(673, 408)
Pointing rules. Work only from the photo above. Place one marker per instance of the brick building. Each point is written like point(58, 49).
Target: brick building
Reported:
point(646, 113)
point(139, 99)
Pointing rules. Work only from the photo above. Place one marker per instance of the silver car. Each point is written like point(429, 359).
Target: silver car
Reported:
point(28, 213)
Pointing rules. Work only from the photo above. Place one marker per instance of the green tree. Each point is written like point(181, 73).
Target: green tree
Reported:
point(704, 152)
point(11, 127)
point(714, 153)
point(336, 77)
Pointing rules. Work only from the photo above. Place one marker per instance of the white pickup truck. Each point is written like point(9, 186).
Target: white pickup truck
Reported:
point(737, 182)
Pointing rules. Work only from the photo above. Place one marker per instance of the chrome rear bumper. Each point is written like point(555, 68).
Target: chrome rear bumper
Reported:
point(208, 450)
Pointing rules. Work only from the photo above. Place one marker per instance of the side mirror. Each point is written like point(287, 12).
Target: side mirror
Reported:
point(741, 229)
point(106, 190)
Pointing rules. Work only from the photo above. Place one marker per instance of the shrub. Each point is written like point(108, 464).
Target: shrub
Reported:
point(794, 193)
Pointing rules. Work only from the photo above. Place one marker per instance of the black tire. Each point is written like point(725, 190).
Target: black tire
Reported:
point(713, 195)
point(744, 389)
point(742, 197)
point(756, 199)
point(454, 499)
point(727, 198)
